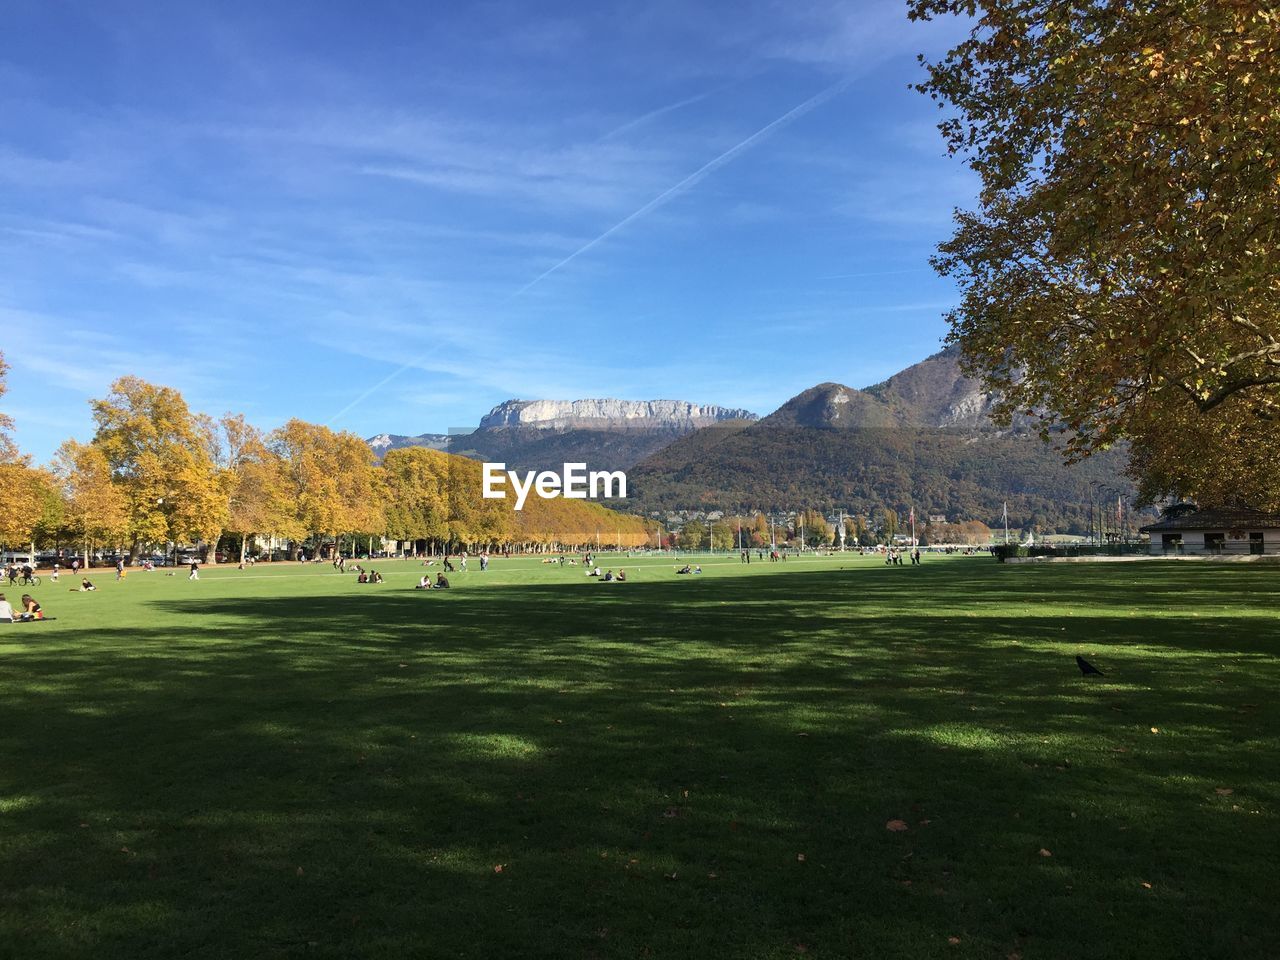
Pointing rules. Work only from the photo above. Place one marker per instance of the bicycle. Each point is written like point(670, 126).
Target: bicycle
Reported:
point(31, 581)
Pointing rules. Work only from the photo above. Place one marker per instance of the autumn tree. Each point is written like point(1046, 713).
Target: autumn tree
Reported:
point(1121, 271)
point(817, 531)
point(888, 524)
point(23, 493)
point(96, 509)
point(330, 478)
point(722, 535)
point(416, 479)
point(8, 449)
point(254, 481)
point(21, 488)
point(693, 535)
point(161, 458)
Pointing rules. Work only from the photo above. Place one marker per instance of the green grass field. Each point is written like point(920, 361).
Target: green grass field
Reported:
point(282, 763)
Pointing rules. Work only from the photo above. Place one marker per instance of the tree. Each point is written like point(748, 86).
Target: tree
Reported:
point(8, 449)
point(254, 482)
point(23, 495)
point(417, 483)
point(723, 536)
point(693, 535)
point(1121, 273)
point(96, 509)
point(817, 532)
point(330, 478)
point(1236, 465)
point(889, 524)
point(161, 457)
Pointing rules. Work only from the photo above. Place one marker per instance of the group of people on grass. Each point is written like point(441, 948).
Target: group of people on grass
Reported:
point(441, 582)
point(607, 576)
point(462, 562)
point(893, 557)
point(28, 609)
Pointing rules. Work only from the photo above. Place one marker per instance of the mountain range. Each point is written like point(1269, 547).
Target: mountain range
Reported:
point(923, 438)
point(544, 434)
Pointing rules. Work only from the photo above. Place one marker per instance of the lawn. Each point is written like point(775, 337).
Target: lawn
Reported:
point(283, 763)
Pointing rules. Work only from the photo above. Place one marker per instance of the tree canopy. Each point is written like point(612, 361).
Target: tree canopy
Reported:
point(1121, 272)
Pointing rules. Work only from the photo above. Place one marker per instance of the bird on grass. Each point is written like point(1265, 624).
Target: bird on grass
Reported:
point(1088, 668)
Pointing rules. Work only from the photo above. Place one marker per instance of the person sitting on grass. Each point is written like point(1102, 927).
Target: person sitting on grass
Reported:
point(30, 609)
point(362, 578)
point(424, 583)
point(685, 569)
point(697, 569)
point(86, 586)
point(622, 576)
point(375, 577)
point(442, 582)
point(608, 576)
point(6, 610)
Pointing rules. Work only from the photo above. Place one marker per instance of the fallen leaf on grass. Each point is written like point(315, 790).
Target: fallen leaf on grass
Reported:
point(954, 941)
point(1155, 729)
point(800, 857)
point(498, 867)
point(1147, 885)
point(299, 871)
point(897, 826)
point(1045, 853)
point(1223, 791)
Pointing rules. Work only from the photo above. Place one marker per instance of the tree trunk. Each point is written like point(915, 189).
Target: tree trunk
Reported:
point(244, 542)
point(211, 552)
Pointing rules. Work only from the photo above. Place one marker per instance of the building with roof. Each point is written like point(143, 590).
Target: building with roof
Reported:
point(1222, 532)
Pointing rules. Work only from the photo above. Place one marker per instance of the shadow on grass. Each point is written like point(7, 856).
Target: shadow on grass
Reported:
point(672, 768)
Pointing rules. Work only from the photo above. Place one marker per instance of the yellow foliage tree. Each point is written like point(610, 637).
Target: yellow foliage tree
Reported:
point(331, 479)
point(95, 507)
point(23, 493)
point(160, 455)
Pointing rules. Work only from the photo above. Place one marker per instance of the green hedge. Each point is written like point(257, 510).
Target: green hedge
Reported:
point(1004, 551)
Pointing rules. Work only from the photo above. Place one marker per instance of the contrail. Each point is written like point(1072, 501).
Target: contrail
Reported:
point(691, 180)
point(654, 114)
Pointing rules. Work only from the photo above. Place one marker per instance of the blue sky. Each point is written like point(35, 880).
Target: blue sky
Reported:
point(391, 216)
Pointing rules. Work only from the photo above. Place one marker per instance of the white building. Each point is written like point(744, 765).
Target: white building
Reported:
point(1215, 532)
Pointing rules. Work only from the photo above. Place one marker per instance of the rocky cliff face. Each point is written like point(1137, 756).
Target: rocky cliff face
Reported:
point(935, 393)
point(394, 441)
point(608, 414)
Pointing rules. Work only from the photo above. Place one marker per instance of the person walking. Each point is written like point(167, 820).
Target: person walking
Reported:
point(195, 570)
point(119, 568)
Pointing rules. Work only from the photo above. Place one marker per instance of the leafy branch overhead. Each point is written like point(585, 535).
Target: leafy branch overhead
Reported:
point(1122, 269)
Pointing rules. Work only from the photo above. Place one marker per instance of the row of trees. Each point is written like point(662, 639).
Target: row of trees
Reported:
point(155, 472)
point(812, 529)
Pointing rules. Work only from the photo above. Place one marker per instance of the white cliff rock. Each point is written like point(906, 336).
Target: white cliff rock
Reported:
point(608, 413)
